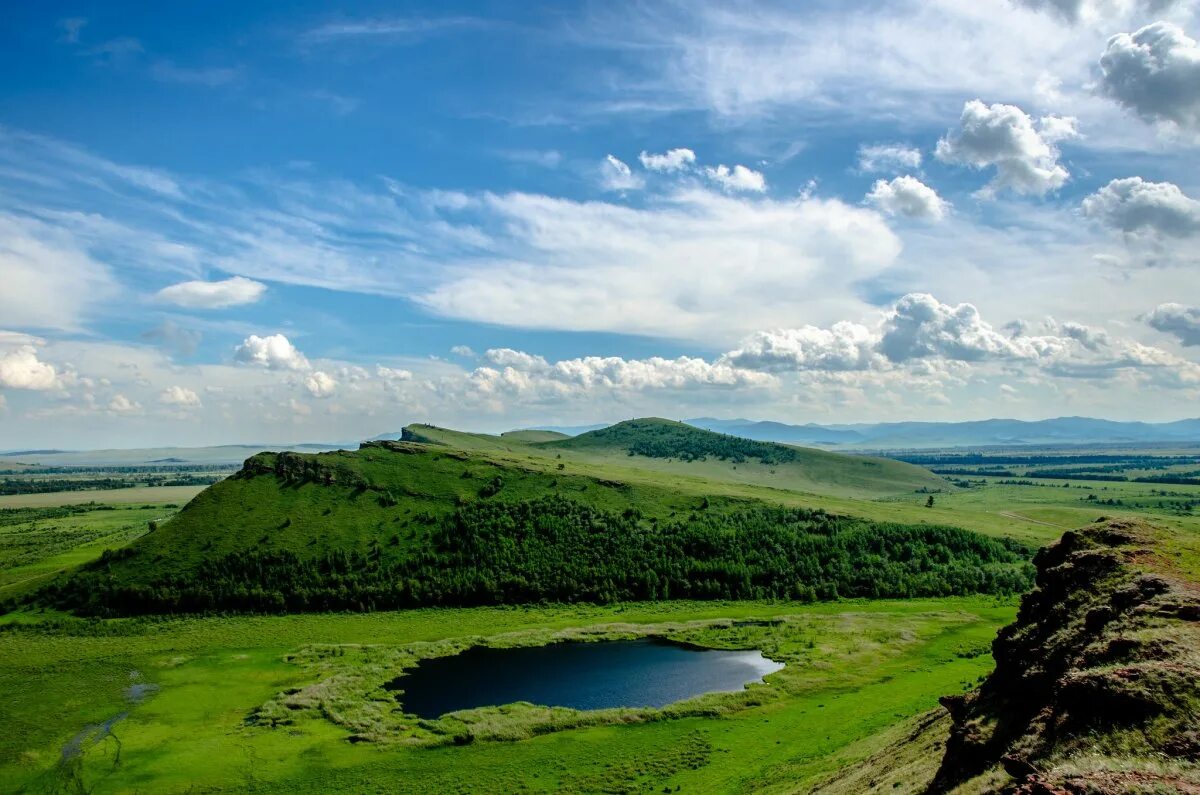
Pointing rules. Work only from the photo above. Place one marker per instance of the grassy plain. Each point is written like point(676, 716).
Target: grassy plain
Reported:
point(132, 496)
point(872, 664)
point(38, 543)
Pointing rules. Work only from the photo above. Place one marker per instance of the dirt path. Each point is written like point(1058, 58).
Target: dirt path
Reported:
point(1011, 515)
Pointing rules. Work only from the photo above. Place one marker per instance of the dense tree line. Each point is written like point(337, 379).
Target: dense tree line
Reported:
point(669, 440)
point(554, 549)
point(37, 485)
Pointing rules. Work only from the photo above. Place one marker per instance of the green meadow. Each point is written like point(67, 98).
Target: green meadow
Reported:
point(870, 665)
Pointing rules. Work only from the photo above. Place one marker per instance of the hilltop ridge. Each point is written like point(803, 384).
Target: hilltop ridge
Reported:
point(675, 448)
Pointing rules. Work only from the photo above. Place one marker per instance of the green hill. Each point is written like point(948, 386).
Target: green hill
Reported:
point(533, 436)
point(674, 448)
point(399, 524)
point(669, 446)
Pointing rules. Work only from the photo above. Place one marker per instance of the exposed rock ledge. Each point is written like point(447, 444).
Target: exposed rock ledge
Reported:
point(1097, 683)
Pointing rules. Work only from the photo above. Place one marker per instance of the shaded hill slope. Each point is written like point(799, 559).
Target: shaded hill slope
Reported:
point(400, 524)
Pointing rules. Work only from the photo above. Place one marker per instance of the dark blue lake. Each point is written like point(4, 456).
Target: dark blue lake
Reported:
point(625, 673)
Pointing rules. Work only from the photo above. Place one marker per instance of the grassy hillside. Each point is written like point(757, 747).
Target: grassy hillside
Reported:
point(533, 436)
point(676, 449)
point(402, 524)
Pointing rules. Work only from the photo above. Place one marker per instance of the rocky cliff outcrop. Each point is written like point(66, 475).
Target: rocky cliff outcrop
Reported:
point(1097, 683)
point(295, 469)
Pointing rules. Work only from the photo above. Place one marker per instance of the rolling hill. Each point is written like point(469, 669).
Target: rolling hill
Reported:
point(677, 449)
point(460, 519)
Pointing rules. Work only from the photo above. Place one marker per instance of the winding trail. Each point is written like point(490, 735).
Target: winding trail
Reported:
point(1011, 515)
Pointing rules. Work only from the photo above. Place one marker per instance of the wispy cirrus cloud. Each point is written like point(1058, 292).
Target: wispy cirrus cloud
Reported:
point(390, 29)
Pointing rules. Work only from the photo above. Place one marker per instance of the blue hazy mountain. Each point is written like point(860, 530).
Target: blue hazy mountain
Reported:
point(1060, 430)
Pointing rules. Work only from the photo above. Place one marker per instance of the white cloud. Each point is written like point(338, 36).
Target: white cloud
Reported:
point(235, 291)
point(392, 374)
point(320, 384)
point(274, 352)
point(523, 373)
point(388, 28)
point(463, 350)
point(942, 345)
point(615, 175)
point(888, 157)
point(1006, 137)
point(1133, 205)
point(123, 405)
point(920, 326)
point(180, 397)
point(1155, 72)
point(1096, 11)
point(50, 281)
point(908, 197)
point(507, 357)
point(1177, 319)
point(694, 264)
point(846, 346)
point(670, 161)
point(21, 369)
point(738, 178)
point(757, 65)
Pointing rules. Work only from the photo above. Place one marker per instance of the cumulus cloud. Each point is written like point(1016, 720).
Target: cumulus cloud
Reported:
point(1155, 72)
point(1177, 319)
point(507, 357)
point(179, 397)
point(1133, 205)
point(1006, 137)
point(274, 352)
point(921, 326)
point(738, 178)
point(670, 161)
point(908, 197)
point(234, 291)
point(934, 343)
point(845, 346)
point(21, 369)
point(320, 384)
point(615, 175)
point(463, 350)
point(529, 374)
point(888, 157)
point(392, 374)
point(123, 405)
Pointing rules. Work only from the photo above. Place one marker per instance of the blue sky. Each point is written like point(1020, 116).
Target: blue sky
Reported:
point(237, 221)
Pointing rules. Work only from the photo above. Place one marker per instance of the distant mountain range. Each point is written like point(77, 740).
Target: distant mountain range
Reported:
point(979, 433)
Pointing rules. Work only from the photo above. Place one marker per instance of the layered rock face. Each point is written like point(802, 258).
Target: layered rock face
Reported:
point(1097, 684)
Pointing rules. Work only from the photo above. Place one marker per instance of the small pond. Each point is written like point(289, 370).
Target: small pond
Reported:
point(646, 672)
